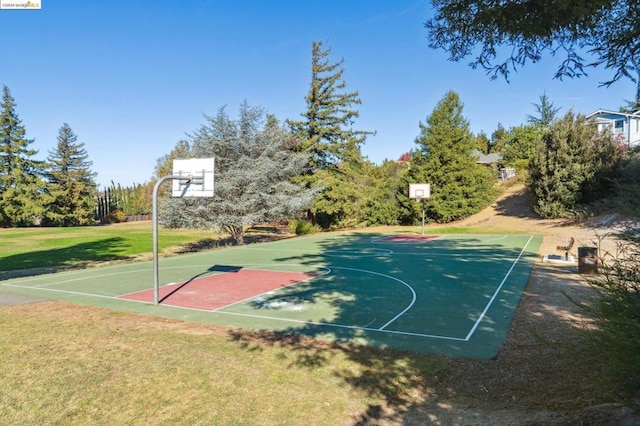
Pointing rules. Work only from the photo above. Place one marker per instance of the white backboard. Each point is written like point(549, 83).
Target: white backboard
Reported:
point(419, 191)
point(200, 171)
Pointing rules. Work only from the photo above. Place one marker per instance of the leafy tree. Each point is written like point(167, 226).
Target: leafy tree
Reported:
point(520, 145)
point(22, 196)
point(380, 206)
point(626, 183)
point(344, 190)
point(523, 31)
point(131, 200)
point(498, 139)
point(570, 166)
point(71, 182)
point(483, 144)
point(444, 159)
point(254, 169)
point(546, 113)
point(164, 164)
point(326, 133)
point(631, 107)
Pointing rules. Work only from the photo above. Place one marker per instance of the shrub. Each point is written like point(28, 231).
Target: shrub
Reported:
point(116, 216)
point(615, 339)
point(571, 166)
point(302, 227)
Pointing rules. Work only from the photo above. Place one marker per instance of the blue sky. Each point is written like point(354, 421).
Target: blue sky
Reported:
point(132, 78)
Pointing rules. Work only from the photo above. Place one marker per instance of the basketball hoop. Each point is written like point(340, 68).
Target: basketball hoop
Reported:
point(191, 178)
point(420, 192)
point(194, 177)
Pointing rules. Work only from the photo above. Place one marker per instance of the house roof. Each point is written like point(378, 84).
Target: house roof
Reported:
point(492, 158)
point(600, 112)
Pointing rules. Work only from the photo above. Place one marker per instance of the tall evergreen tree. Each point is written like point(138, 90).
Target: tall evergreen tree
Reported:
point(547, 113)
point(71, 182)
point(326, 132)
point(326, 129)
point(444, 159)
point(498, 139)
point(22, 196)
point(570, 166)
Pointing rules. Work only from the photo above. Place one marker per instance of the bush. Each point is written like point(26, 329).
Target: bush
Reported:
point(302, 227)
point(615, 339)
point(571, 166)
point(116, 216)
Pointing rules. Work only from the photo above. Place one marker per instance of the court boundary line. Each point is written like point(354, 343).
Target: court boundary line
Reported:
point(413, 297)
point(353, 327)
point(495, 293)
point(218, 311)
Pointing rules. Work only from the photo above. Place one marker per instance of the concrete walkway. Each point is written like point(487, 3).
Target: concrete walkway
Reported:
point(7, 299)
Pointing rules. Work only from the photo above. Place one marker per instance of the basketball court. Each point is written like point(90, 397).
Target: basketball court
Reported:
point(449, 294)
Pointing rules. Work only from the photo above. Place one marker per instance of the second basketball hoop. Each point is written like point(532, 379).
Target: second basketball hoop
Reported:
point(420, 192)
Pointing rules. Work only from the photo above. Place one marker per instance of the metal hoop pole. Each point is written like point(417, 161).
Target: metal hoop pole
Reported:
point(422, 204)
point(156, 273)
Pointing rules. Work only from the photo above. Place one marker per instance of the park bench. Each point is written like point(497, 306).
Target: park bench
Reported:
point(567, 248)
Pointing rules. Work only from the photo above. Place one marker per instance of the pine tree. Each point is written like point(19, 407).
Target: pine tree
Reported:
point(570, 166)
point(444, 159)
point(71, 182)
point(326, 132)
point(546, 113)
point(326, 129)
point(22, 196)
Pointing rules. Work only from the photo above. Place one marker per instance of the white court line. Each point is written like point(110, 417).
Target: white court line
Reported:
point(495, 293)
point(327, 272)
point(139, 271)
point(380, 330)
point(104, 296)
point(409, 306)
point(350, 327)
point(413, 293)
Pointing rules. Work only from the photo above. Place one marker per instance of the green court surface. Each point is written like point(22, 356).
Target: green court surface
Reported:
point(449, 294)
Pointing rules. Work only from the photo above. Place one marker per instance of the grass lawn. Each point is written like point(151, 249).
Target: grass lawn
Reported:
point(68, 364)
point(25, 248)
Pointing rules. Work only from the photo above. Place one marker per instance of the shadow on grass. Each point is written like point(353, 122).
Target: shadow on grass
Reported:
point(252, 236)
point(400, 383)
point(54, 260)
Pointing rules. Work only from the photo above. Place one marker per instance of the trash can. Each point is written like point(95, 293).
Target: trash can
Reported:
point(587, 260)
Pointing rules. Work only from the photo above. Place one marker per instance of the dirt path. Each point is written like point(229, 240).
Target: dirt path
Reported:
point(512, 211)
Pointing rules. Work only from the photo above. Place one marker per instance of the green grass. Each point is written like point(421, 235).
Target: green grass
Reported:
point(26, 248)
point(65, 364)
